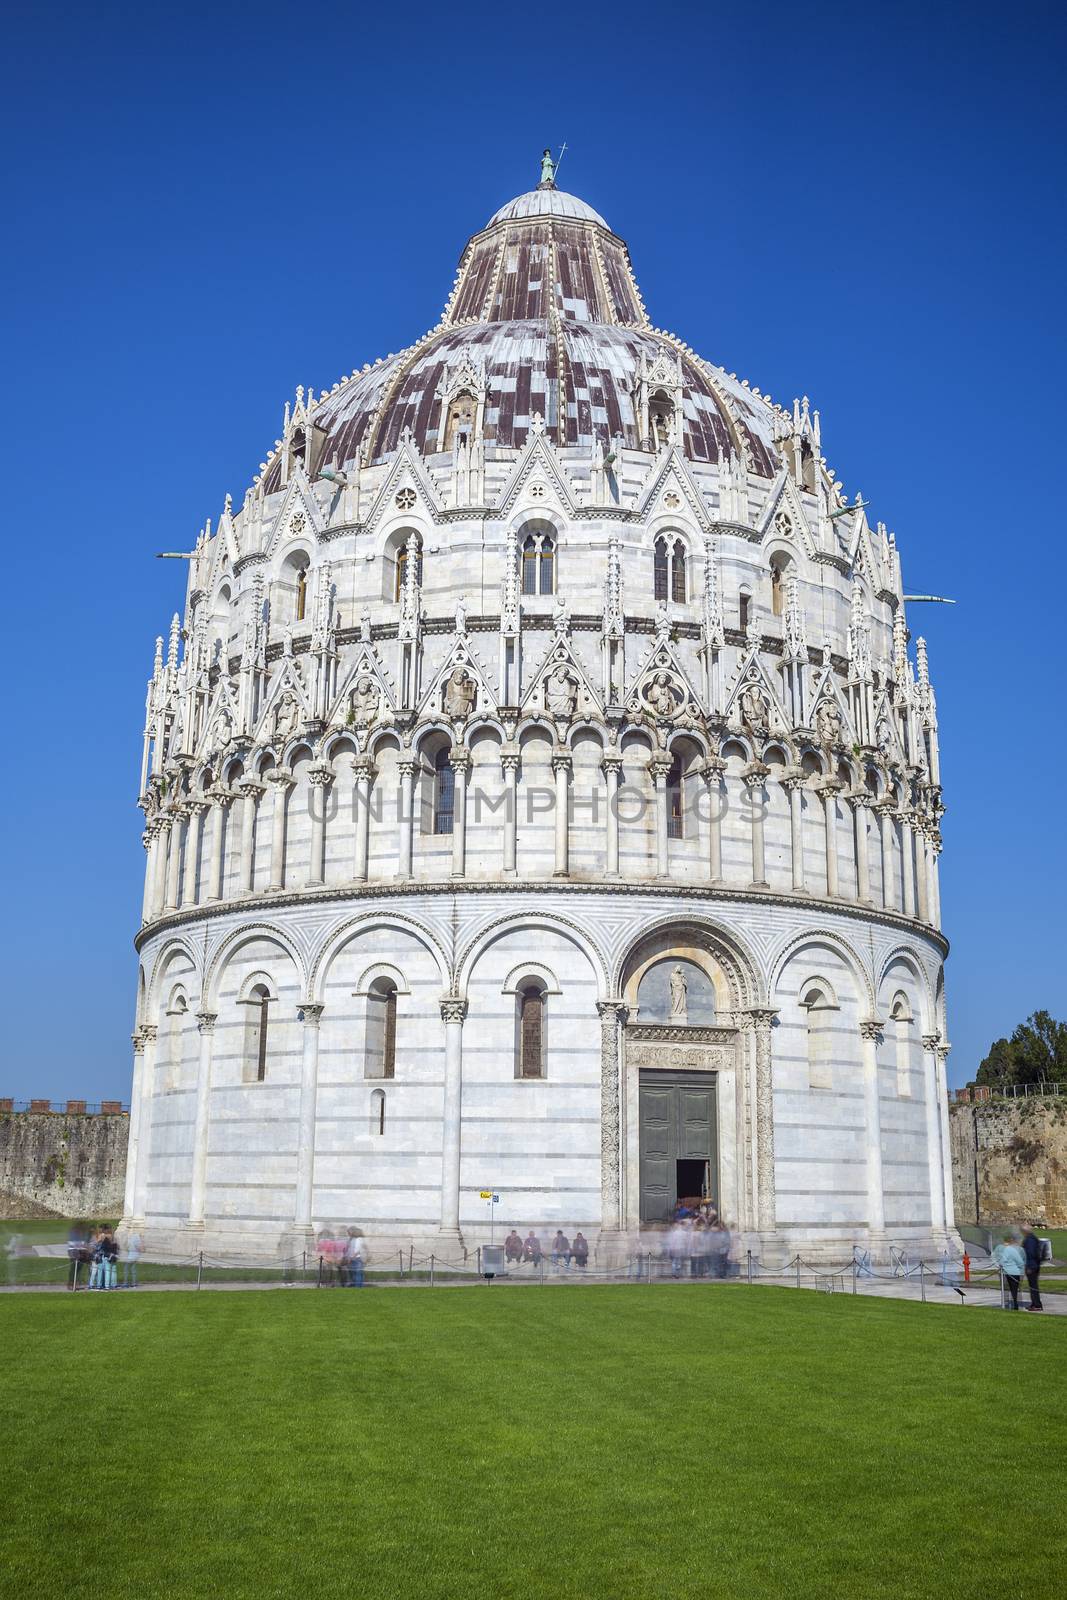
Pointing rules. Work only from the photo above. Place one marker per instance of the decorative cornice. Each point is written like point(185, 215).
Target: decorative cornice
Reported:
point(676, 1033)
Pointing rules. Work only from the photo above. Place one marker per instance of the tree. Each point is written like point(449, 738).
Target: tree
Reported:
point(1035, 1053)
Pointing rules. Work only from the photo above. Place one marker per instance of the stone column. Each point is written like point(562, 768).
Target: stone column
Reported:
point(946, 1143)
point(320, 777)
point(922, 874)
point(754, 777)
point(144, 1122)
point(195, 809)
point(933, 893)
point(309, 1090)
point(150, 840)
point(762, 1019)
point(886, 815)
point(133, 1140)
point(363, 770)
point(713, 770)
point(174, 857)
point(829, 788)
point(612, 1020)
point(509, 766)
point(250, 790)
point(659, 768)
point(861, 799)
point(794, 780)
point(460, 761)
point(281, 781)
point(935, 1153)
point(219, 801)
point(406, 769)
point(870, 1034)
point(453, 1012)
point(561, 767)
point(611, 764)
point(205, 1022)
point(907, 860)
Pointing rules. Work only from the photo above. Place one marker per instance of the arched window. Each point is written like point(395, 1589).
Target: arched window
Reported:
point(402, 567)
point(444, 792)
point(256, 1028)
point(380, 1055)
point(675, 808)
point(530, 1041)
point(661, 419)
point(743, 611)
point(820, 1008)
point(301, 594)
point(377, 1111)
point(901, 1015)
point(459, 422)
point(669, 570)
point(538, 564)
point(176, 1012)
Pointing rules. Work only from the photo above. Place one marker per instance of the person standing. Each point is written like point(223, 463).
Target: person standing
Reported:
point(1032, 1252)
point(133, 1256)
point(355, 1258)
point(1011, 1260)
point(110, 1261)
point(580, 1250)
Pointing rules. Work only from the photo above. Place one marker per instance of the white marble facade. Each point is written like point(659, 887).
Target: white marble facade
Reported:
point(483, 717)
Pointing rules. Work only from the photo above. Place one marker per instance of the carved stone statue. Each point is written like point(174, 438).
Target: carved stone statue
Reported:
point(461, 614)
point(461, 695)
point(755, 709)
point(828, 723)
point(223, 729)
point(561, 692)
point(364, 700)
point(679, 994)
point(286, 716)
point(663, 697)
point(883, 735)
point(560, 615)
point(364, 626)
point(548, 168)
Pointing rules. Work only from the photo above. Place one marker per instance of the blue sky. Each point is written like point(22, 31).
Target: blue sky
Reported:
point(207, 205)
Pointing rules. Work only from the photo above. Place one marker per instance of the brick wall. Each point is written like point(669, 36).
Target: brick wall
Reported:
point(1018, 1150)
point(67, 1162)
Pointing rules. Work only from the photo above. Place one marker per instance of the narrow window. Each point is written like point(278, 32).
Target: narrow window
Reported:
point(459, 427)
point(820, 1012)
point(902, 1046)
point(742, 617)
point(444, 793)
point(675, 813)
point(402, 567)
point(538, 564)
point(547, 566)
point(678, 573)
point(660, 571)
point(256, 1028)
point(301, 594)
point(531, 1032)
point(661, 419)
point(377, 1111)
point(529, 566)
point(380, 1051)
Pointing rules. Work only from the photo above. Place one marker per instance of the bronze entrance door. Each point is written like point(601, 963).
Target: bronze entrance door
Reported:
point(679, 1141)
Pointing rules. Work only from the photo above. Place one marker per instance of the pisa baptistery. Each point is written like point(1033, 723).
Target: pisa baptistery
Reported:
point(541, 796)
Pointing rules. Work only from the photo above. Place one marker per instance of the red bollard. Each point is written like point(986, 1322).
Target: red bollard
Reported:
point(966, 1267)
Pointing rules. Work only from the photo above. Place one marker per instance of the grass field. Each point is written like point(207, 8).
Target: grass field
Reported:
point(638, 1442)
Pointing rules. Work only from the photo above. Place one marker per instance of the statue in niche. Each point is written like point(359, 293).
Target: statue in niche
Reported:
point(224, 729)
point(755, 710)
point(560, 615)
point(286, 716)
point(883, 735)
point(663, 697)
point(363, 701)
point(461, 694)
point(828, 722)
point(364, 626)
point(461, 614)
point(679, 994)
point(561, 692)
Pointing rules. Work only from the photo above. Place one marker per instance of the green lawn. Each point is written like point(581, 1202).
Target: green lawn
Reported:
point(621, 1441)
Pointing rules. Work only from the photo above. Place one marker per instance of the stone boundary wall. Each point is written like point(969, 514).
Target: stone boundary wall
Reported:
point(70, 1164)
point(1017, 1152)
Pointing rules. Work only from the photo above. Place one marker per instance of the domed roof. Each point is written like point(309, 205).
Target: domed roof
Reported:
point(547, 202)
point(545, 318)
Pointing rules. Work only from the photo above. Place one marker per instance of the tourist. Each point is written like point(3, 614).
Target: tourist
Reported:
point(96, 1260)
point(110, 1258)
point(580, 1250)
point(133, 1256)
point(561, 1250)
point(678, 1241)
point(719, 1238)
point(1011, 1259)
point(513, 1248)
point(77, 1252)
point(1033, 1252)
point(354, 1258)
point(532, 1249)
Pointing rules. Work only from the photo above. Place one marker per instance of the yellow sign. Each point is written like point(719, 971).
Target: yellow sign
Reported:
point(485, 1194)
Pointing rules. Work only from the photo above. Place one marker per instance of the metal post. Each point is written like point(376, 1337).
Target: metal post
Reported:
point(479, 1261)
point(304, 1265)
point(431, 1271)
point(798, 1272)
point(199, 1268)
point(319, 1284)
point(853, 1269)
point(922, 1281)
point(1003, 1304)
point(400, 1253)
point(77, 1264)
point(650, 1266)
point(749, 1254)
point(541, 1265)
point(411, 1257)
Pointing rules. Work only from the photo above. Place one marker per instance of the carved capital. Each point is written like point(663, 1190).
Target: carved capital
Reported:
point(943, 1051)
point(509, 757)
point(321, 774)
point(310, 1013)
point(453, 1008)
point(205, 1021)
point(137, 1040)
point(562, 761)
point(930, 1041)
point(829, 787)
point(760, 1017)
point(872, 1028)
point(250, 788)
point(712, 769)
point(794, 778)
point(755, 774)
point(280, 777)
point(364, 767)
point(613, 1011)
point(149, 1033)
point(459, 758)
